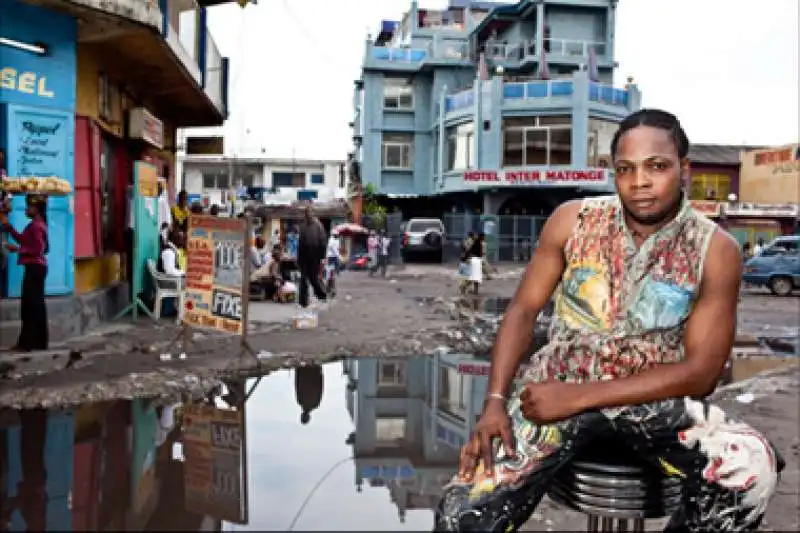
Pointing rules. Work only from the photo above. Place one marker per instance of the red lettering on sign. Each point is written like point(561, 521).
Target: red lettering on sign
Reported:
point(480, 175)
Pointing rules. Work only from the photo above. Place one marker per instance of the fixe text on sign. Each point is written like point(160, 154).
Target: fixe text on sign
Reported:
point(536, 176)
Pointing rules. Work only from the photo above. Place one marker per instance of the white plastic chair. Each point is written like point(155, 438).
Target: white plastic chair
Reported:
point(166, 287)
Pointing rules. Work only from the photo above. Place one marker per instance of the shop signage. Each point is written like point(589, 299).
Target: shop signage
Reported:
point(216, 284)
point(143, 125)
point(594, 176)
point(709, 208)
point(763, 210)
point(214, 466)
point(205, 145)
point(25, 82)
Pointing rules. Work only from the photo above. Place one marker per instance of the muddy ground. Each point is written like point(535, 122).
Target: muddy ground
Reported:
point(416, 310)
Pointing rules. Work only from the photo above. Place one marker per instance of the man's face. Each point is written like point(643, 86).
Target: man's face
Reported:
point(648, 174)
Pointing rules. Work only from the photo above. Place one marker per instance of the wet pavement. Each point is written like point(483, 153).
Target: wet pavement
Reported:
point(360, 444)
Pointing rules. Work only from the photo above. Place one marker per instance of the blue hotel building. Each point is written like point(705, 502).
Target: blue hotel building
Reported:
point(490, 108)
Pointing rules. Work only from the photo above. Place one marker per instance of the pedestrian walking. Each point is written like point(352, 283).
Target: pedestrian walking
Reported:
point(372, 252)
point(384, 244)
point(475, 255)
point(309, 382)
point(488, 269)
point(310, 253)
point(332, 260)
point(32, 247)
point(463, 265)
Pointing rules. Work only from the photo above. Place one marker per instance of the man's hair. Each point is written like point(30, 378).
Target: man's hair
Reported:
point(654, 118)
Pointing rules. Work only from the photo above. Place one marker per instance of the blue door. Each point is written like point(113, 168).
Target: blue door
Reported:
point(41, 143)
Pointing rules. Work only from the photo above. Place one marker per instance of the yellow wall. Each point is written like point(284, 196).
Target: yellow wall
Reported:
point(771, 175)
point(97, 272)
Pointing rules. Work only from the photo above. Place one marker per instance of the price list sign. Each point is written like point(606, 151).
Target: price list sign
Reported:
point(214, 470)
point(216, 274)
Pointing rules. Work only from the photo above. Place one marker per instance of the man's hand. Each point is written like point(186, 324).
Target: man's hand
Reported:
point(545, 403)
point(494, 423)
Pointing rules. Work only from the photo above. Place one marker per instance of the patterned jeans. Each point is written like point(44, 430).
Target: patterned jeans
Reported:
point(729, 470)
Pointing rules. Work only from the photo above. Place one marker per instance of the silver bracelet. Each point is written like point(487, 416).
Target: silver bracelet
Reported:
point(497, 396)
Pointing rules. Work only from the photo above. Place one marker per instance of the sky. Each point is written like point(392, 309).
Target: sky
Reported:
point(727, 68)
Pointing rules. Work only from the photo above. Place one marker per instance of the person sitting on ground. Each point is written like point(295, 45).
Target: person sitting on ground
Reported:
point(646, 293)
point(268, 276)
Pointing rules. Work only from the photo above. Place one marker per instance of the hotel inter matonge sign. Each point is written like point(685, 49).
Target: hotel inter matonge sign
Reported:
point(573, 178)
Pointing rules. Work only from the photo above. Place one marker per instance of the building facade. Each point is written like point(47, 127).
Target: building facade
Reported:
point(87, 88)
point(223, 180)
point(491, 109)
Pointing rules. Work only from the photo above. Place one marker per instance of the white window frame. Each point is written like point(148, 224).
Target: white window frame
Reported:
point(525, 130)
point(400, 374)
point(406, 150)
point(397, 89)
point(393, 427)
point(467, 137)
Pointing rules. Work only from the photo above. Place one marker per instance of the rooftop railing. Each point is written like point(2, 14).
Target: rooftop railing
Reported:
point(511, 52)
point(607, 94)
point(406, 55)
point(537, 89)
point(573, 48)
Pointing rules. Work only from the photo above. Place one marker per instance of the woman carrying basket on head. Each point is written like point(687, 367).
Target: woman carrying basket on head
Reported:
point(32, 247)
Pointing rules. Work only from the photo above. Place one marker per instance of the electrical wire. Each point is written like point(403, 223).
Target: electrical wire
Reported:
point(314, 489)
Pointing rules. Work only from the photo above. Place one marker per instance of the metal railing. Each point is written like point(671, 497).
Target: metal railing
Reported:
point(608, 94)
point(513, 240)
point(537, 89)
point(511, 51)
point(573, 48)
point(392, 53)
point(459, 100)
point(449, 49)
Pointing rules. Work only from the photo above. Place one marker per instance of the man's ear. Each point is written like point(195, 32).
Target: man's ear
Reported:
point(686, 173)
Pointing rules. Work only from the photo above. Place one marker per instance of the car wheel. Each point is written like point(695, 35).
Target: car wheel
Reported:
point(780, 286)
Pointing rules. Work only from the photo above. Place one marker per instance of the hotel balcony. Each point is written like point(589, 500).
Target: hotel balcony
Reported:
point(436, 52)
point(565, 51)
point(162, 48)
point(545, 94)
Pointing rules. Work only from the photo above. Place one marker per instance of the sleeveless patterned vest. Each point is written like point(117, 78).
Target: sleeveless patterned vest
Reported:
point(618, 309)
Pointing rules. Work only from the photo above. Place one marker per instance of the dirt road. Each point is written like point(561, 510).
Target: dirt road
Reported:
point(414, 311)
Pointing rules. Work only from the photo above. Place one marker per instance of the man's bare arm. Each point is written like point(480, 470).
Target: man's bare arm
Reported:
point(538, 283)
point(708, 340)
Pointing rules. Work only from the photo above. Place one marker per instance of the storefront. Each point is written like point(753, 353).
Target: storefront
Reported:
point(37, 122)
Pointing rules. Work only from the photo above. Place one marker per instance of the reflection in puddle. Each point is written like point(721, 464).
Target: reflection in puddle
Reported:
point(356, 445)
point(363, 444)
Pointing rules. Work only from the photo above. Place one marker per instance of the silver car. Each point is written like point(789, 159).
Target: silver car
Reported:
point(423, 236)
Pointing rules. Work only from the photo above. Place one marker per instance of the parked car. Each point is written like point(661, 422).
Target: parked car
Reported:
point(777, 266)
point(423, 236)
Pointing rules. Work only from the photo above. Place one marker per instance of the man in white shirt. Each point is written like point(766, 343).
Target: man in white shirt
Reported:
point(164, 211)
point(333, 257)
point(169, 256)
point(383, 252)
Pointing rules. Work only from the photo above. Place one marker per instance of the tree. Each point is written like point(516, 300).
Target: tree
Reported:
point(374, 212)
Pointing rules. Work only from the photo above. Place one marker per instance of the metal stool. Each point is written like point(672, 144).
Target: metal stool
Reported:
point(615, 489)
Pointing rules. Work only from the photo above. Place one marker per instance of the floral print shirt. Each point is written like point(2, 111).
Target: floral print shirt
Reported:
point(618, 309)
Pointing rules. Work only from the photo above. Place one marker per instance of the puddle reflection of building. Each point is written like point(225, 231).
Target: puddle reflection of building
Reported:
point(392, 444)
point(101, 466)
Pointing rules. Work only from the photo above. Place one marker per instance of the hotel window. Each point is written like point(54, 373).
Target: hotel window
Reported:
point(389, 431)
point(397, 151)
point(603, 131)
point(317, 179)
point(710, 187)
point(531, 141)
point(398, 93)
point(460, 147)
point(392, 374)
point(453, 392)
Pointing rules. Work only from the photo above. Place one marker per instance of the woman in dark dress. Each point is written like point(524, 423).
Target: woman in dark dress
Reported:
point(32, 247)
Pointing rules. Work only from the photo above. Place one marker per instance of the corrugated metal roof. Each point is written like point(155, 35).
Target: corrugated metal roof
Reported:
point(718, 154)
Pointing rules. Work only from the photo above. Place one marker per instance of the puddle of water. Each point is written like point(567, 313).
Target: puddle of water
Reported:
point(372, 454)
point(378, 440)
